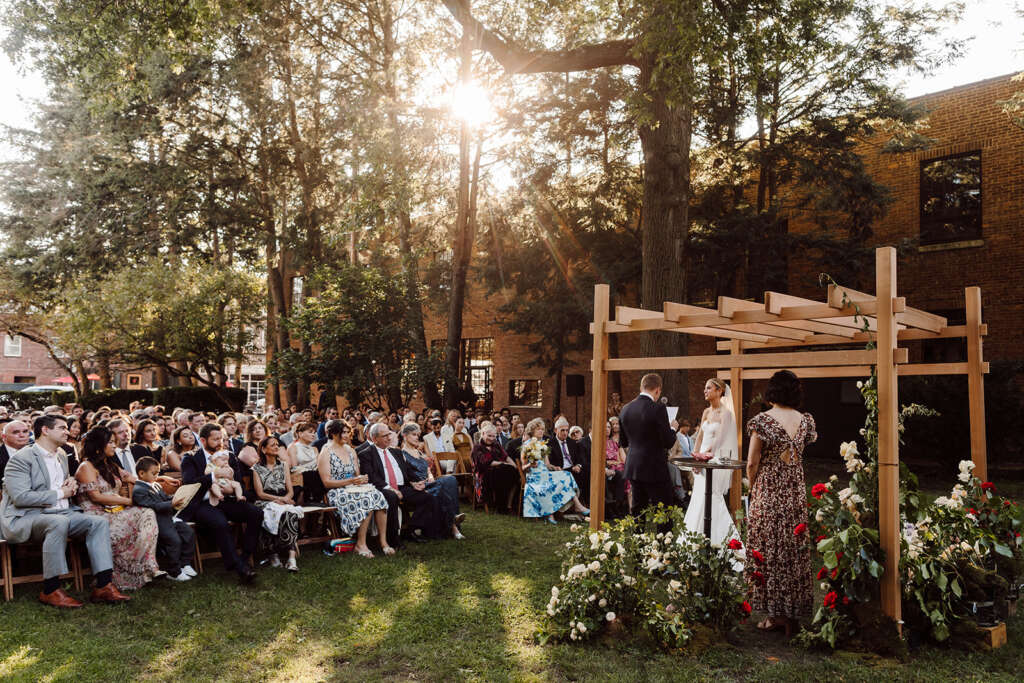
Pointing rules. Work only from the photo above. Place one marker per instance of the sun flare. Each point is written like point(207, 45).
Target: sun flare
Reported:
point(471, 103)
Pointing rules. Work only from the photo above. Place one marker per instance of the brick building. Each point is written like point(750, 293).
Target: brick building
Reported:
point(962, 200)
point(24, 362)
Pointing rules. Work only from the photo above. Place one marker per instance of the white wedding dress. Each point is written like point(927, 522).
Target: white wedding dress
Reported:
point(719, 439)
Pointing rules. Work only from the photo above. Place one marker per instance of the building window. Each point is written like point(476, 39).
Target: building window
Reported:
point(297, 285)
point(255, 387)
point(952, 350)
point(524, 393)
point(477, 365)
point(134, 381)
point(12, 345)
point(21, 379)
point(951, 198)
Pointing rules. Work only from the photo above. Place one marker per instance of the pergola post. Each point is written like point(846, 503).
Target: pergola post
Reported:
point(736, 384)
point(598, 406)
point(976, 382)
point(888, 436)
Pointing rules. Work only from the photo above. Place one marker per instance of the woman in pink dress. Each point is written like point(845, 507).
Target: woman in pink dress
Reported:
point(102, 491)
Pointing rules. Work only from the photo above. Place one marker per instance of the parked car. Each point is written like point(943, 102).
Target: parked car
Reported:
point(44, 388)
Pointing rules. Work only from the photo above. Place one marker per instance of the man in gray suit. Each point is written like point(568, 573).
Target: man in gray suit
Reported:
point(37, 507)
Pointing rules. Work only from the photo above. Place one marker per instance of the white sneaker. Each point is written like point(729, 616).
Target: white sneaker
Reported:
point(182, 576)
point(188, 570)
point(275, 561)
point(292, 565)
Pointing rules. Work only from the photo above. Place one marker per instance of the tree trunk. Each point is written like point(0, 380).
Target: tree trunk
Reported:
point(103, 366)
point(665, 221)
point(463, 241)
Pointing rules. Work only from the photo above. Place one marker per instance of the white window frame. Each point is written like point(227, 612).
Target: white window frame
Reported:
point(12, 345)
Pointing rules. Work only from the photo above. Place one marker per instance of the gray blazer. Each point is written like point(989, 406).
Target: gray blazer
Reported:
point(27, 492)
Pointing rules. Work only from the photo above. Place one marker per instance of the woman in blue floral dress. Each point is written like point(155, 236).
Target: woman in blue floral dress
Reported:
point(549, 489)
point(349, 491)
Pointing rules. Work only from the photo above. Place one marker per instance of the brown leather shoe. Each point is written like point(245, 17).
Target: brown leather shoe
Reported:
point(108, 593)
point(59, 598)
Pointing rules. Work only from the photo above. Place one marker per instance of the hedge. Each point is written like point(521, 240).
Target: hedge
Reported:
point(195, 398)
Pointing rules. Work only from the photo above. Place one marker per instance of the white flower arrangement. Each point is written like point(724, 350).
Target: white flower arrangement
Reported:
point(535, 450)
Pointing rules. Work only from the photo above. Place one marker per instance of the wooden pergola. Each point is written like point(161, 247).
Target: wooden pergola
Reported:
point(770, 330)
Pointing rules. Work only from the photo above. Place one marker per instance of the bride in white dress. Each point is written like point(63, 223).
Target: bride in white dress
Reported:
point(715, 441)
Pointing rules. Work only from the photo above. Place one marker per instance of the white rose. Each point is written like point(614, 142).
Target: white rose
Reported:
point(602, 603)
point(860, 385)
point(554, 591)
point(595, 565)
point(819, 516)
point(610, 616)
point(591, 598)
point(582, 627)
point(574, 527)
point(602, 557)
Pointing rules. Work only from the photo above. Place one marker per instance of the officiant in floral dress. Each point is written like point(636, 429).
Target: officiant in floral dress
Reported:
point(549, 489)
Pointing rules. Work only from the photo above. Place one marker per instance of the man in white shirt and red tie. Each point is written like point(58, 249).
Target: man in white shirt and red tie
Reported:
point(568, 455)
point(385, 467)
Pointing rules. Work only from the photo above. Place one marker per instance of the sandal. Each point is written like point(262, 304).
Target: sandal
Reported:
point(388, 550)
point(365, 552)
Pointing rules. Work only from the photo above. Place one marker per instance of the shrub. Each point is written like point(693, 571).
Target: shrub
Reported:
point(200, 398)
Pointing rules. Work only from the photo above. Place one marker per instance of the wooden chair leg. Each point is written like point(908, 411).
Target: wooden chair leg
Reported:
point(5, 567)
point(76, 567)
point(198, 558)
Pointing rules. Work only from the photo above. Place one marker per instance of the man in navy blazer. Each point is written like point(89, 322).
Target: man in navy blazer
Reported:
point(215, 519)
point(647, 436)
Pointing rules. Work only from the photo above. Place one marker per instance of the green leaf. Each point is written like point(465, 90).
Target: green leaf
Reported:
point(925, 574)
point(1003, 550)
point(875, 569)
point(830, 560)
point(941, 581)
point(955, 587)
point(844, 536)
point(826, 545)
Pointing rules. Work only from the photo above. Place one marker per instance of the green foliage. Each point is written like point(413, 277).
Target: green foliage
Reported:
point(629, 571)
point(207, 399)
point(358, 337)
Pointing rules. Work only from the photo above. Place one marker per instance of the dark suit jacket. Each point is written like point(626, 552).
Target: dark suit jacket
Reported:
point(373, 468)
point(193, 471)
point(513, 447)
point(576, 454)
point(143, 495)
point(648, 436)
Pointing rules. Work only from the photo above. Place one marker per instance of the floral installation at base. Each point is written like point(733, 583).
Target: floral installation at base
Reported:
point(674, 586)
point(956, 553)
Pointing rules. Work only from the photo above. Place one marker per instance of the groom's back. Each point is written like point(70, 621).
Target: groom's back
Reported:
point(647, 435)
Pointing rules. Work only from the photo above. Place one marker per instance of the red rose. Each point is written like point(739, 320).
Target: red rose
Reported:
point(757, 576)
point(988, 486)
point(830, 600)
point(758, 557)
point(746, 607)
point(821, 538)
point(1007, 503)
point(835, 573)
point(839, 555)
point(818, 490)
point(846, 600)
point(972, 511)
point(1017, 534)
point(800, 528)
point(822, 573)
point(734, 544)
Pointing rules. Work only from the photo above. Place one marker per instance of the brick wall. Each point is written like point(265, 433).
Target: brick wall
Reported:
point(34, 364)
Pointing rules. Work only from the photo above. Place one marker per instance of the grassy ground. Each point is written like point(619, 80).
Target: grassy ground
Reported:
point(441, 611)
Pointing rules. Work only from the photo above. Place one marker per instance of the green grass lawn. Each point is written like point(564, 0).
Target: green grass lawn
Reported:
point(439, 611)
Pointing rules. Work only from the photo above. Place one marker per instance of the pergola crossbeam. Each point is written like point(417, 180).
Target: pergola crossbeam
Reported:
point(850, 371)
point(910, 316)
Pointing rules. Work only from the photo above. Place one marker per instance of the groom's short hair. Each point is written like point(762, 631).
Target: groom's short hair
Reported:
point(650, 382)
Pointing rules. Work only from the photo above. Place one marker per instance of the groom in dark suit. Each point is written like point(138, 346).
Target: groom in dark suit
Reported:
point(647, 436)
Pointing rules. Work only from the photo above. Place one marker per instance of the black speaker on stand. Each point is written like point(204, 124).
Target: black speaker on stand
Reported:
point(575, 387)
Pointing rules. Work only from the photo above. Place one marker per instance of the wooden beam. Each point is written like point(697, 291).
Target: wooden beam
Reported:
point(761, 360)
point(599, 406)
point(824, 339)
point(888, 432)
point(728, 307)
point(847, 371)
point(909, 316)
point(736, 384)
point(685, 315)
point(976, 383)
point(774, 302)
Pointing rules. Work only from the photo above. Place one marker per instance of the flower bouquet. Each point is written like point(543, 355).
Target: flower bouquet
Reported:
point(535, 450)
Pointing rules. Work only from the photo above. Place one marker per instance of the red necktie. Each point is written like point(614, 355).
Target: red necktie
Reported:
point(392, 481)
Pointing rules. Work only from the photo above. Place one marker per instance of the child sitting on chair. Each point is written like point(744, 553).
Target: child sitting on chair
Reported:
point(220, 488)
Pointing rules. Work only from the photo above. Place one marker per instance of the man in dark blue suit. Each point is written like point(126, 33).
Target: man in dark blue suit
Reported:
point(647, 436)
point(215, 519)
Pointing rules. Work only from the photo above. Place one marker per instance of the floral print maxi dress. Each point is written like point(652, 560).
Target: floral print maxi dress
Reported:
point(547, 492)
point(781, 586)
point(133, 536)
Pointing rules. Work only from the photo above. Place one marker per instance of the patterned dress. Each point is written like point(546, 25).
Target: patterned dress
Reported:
point(778, 504)
point(352, 506)
point(547, 492)
point(133, 536)
point(272, 480)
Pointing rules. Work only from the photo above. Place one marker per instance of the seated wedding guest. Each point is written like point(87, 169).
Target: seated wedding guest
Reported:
point(232, 442)
point(182, 443)
point(444, 488)
point(778, 497)
point(104, 490)
point(215, 519)
point(196, 421)
point(302, 456)
point(330, 413)
point(349, 492)
point(15, 437)
point(255, 432)
point(462, 442)
point(289, 436)
point(495, 471)
point(175, 539)
point(549, 488)
point(518, 429)
point(387, 470)
point(273, 485)
point(448, 430)
point(74, 445)
point(36, 506)
point(614, 466)
point(566, 454)
point(122, 432)
point(146, 442)
point(271, 424)
point(356, 426)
